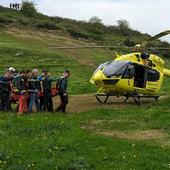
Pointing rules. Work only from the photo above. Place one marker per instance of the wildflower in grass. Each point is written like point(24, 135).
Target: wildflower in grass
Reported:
point(133, 145)
point(169, 165)
point(105, 158)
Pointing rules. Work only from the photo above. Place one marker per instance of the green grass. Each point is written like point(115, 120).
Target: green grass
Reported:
point(56, 141)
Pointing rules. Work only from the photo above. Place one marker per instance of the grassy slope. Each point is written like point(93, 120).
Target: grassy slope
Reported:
point(47, 141)
point(27, 49)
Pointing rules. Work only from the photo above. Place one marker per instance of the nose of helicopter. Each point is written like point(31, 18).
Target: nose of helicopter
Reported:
point(97, 78)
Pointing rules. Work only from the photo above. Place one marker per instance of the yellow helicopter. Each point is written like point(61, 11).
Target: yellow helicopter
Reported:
point(136, 75)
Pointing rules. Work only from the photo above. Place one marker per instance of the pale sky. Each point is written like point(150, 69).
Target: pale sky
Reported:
point(147, 16)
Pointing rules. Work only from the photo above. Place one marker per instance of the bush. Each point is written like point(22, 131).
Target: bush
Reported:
point(83, 33)
point(5, 20)
point(95, 20)
point(129, 43)
point(48, 25)
point(23, 21)
point(77, 34)
point(28, 8)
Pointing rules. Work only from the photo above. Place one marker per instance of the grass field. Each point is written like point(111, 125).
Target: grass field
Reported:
point(112, 136)
point(88, 140)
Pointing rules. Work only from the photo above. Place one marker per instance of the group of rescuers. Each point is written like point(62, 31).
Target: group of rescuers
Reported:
point(32, 89)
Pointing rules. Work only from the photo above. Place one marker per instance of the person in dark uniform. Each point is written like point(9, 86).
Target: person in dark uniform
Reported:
point(15, 80)
point(21, 85)
point(5, 89)
point(46, 85)
point(41, 95)
point(33, 89)
point(18, 6)
point(62, 91)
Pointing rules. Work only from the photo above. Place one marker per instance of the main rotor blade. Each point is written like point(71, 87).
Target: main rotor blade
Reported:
point(84, 47)
point(138, 47)
point(162, 34)
point(159, 48)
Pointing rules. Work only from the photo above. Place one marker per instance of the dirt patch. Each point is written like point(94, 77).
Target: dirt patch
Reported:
point(87, 102)
point(47, 36)
point(134, 135)
point(94, 127)
point(82, 103)
point(24, 33)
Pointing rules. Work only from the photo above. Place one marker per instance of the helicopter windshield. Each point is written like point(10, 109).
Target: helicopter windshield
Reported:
point(101, 66)
point(115, 68)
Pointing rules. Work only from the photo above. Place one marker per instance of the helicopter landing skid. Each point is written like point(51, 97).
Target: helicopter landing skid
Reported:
point(135, 97)
point(98, 95)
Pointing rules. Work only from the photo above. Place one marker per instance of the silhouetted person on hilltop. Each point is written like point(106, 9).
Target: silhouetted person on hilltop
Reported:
point(18, 6)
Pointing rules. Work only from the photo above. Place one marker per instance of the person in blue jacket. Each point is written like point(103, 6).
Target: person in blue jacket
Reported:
point(34, 88)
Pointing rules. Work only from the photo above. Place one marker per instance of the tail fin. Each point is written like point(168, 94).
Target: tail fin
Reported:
point(117, 55)
point(166, 72)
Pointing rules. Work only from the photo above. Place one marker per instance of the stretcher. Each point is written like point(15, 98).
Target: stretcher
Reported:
point(16, 94)
point(22, 99)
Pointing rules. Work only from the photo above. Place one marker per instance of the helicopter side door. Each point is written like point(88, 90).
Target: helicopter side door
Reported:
point(140, 76)
point(153, 77)
point(128, 76)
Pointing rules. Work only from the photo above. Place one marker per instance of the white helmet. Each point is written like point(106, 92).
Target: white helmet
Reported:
point(12, 69)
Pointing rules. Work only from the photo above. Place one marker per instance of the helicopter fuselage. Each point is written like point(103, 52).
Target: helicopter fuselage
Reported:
point(129, 74)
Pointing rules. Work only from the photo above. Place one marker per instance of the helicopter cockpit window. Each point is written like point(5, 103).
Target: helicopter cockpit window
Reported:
point(115, 68)
point(153, 75)
point(101, 66)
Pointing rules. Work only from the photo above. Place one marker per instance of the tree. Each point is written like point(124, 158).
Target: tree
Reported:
point(129, 43)
point(28, 8)
point(95, 20)
point(123, 26)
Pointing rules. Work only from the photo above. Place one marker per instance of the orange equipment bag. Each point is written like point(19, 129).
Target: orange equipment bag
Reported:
point(23, 103)
point(14, 96)
point(40, 94)
point(54, 91)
